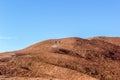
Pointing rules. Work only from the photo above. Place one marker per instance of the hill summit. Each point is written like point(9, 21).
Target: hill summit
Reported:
point(74, 58)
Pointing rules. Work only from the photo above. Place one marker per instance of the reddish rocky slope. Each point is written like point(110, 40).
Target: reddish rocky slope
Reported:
point(75, 58)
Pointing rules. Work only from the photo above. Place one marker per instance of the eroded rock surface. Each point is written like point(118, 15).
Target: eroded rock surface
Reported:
point(73, 58)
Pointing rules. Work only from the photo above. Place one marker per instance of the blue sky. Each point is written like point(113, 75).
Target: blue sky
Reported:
point(24, 22)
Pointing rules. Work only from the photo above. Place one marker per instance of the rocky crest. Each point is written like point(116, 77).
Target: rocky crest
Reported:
point(73, 58)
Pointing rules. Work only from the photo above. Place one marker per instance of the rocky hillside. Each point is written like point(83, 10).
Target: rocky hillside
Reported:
point(73, 58)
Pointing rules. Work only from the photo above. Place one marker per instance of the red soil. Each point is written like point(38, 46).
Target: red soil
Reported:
point(95, 58)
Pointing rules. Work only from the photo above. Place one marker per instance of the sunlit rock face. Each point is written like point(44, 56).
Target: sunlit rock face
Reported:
point(74, 58)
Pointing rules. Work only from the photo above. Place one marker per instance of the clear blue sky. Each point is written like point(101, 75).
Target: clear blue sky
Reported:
point(24, 22)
